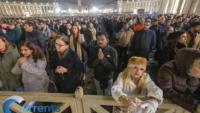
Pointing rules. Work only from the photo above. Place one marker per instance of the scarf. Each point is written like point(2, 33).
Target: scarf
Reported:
point(63, 54)
point(193, 37)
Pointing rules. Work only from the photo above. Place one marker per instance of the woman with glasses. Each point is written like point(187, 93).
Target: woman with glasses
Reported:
point(66, 65)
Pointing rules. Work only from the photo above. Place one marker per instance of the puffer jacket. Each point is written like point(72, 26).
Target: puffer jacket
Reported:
point(125, 37)
point(175, 82)
point(34, 76)
point(37, 38)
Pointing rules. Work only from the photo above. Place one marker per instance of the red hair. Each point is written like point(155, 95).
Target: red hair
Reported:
point(75, 39)
point(7, 44)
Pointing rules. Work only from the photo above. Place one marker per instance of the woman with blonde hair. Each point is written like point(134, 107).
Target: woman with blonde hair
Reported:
point(134, 82)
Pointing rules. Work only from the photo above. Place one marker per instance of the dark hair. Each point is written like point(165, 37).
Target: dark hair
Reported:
point(44, 22)
point(30, 24)
point(37, 52)
point(102, 33)
point(148, 21)
point(180, 22)
point(55, 31)
point(194, 24)
point(125, 22)
point(64, 38)
point(168, 19)
point(179, 17)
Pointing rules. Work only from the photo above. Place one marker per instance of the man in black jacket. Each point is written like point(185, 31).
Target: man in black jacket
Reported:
point(104, 61)
point(143, 42)
point(35, 36)
point(88, 37)
point(155, 27)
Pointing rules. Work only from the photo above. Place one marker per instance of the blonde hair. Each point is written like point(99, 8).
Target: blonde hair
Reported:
point(127, 79)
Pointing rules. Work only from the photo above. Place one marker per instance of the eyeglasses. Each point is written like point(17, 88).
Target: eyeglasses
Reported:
point(59, 45)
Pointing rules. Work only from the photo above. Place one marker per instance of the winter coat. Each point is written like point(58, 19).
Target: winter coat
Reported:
point(7, 62)
point(15, 35)
point(79, 48)
point(5, 36)
point(125, 37)
point(167, 53)
point(137, 28)
point(175, 82)
point(72, 78)
point(196, 43)
point(97, 27)
point(88, 36)
point(93, 30)
point(149, 89)
point(143, 45)
point(34, 76)
point(161, 42)
point(51, 44)
point(37, 38)
point(103, 69)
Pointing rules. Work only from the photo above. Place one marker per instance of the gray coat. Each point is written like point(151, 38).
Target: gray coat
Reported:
point(34, 76)
point(46, 33)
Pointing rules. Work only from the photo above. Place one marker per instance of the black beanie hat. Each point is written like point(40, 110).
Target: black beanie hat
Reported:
point(175, 35)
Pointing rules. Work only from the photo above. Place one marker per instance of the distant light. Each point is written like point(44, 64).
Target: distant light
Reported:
point(47, 3)
point(41, 3)
point(151, 12)
point(14, 2)
point(21, 2)
point(58, 9)
point(35, 3)
point(28, 3)
point(6, 1)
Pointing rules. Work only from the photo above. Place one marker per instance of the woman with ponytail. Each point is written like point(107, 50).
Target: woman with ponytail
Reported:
point(134, 82)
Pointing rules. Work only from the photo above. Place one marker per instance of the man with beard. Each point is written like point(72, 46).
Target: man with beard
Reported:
point(45, 29)
point(143, 42)
point(88, 36)
point(193, 38)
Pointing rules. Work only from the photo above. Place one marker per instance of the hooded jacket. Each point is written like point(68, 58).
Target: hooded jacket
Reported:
point(174, 80)
point(5, 36)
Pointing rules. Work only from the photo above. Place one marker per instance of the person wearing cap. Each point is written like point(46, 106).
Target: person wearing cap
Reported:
point(14, 33)
point(179, 79)
point(193, 38)
point(176, 41)
point(134, 82)
point(88, 37)
point(52, 41)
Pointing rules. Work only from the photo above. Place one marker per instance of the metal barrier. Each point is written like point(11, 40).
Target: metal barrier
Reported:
point(79, 102)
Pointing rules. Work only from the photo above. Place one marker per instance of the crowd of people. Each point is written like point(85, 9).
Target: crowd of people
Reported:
point(71, 44)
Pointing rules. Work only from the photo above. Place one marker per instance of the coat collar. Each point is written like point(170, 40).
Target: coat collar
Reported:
point(68, 55)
